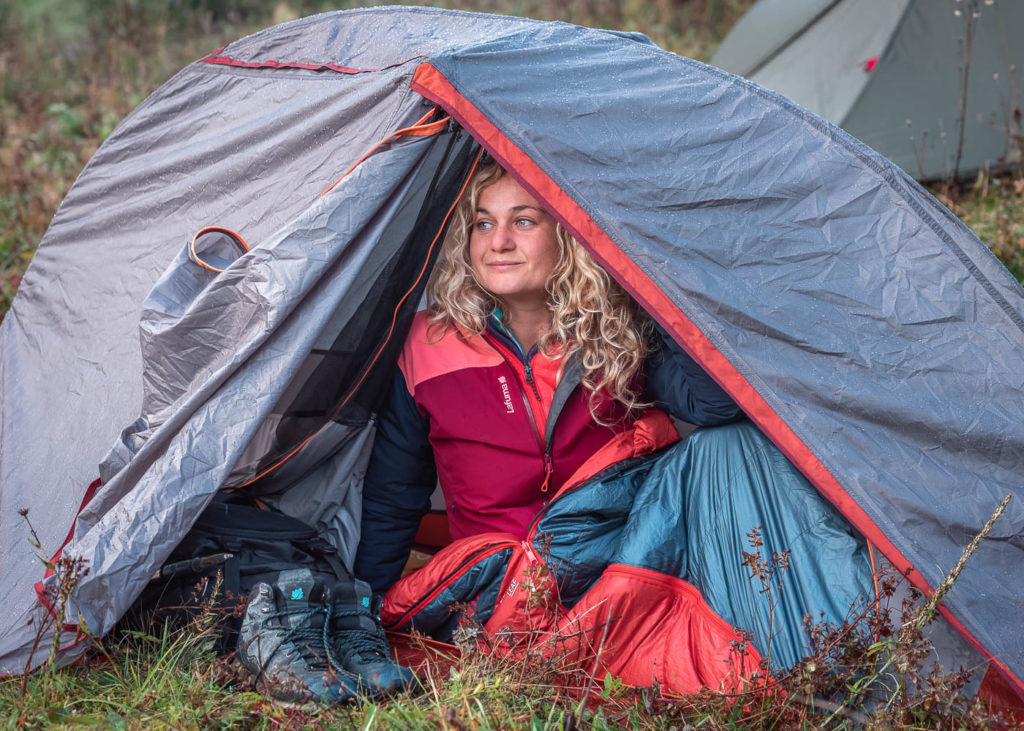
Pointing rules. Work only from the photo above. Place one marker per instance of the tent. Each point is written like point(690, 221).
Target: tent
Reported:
point(890, 72)
point(273, 248)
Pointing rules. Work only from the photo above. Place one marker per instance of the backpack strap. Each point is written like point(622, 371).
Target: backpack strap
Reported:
point(232, 569)
point(318, 546)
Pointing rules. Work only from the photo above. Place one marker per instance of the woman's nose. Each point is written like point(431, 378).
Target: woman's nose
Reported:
point(503, 238)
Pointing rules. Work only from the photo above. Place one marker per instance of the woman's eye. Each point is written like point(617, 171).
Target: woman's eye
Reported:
point(523, 222)
point(482, 225)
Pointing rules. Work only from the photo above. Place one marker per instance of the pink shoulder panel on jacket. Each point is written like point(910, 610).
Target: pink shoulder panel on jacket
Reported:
point(424, 356)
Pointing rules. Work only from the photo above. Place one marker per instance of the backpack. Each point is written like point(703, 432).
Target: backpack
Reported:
point(234, 545)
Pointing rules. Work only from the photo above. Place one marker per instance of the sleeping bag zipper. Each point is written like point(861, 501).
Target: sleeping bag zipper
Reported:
point(465, 565)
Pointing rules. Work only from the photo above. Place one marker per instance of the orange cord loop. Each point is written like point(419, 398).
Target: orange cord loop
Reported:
point(194, 255)
point(421, 128)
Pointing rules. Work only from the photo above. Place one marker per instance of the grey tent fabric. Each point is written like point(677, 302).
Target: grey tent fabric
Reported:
point(70, 363)
point(875, 325)
point(820, 53)
point(865, 330)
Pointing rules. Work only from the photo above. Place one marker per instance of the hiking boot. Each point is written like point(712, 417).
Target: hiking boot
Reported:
point(283, 641)
point(358, 641)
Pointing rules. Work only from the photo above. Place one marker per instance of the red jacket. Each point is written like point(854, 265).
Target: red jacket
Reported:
point(491, 418)
point(504, 430)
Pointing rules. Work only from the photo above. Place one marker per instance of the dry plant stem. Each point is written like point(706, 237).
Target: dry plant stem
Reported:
point(772, 606)
point(852, 714)
point(926, 612)
point(597, 661)
point(62, 602)
point(45, 617)
point(67, 573)
point(970, 13)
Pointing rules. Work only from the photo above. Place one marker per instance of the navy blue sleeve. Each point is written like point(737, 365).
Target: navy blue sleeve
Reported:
point(681, 387)
point(396, 493)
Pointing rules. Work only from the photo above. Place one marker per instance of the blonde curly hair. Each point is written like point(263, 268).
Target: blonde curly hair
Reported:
point(591, 314)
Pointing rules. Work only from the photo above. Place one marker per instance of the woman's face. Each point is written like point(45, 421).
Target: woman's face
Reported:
point(513, 246)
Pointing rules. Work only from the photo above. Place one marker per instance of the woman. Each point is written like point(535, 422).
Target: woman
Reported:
point(528, 359)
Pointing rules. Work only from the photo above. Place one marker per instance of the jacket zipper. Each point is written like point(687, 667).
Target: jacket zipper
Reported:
point(545, 450)
point(616, 467)
point(529, 380)
point(459, 571)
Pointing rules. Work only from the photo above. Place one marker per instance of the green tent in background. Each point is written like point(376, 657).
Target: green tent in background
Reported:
point(890, 72)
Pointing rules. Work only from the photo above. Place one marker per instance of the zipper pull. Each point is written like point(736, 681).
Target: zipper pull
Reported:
point(547, 471)
point(529, 380)
point(531, 556)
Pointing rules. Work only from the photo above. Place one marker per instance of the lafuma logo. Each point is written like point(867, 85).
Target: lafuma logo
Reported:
point(506, 394)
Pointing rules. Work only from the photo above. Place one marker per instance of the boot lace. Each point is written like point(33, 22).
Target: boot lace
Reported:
point(308, 636)
point(360, 640)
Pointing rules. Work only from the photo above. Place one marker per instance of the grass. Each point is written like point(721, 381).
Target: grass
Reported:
point(167, 680)
point(993, 208)
point(870, 672)
point(170, 679)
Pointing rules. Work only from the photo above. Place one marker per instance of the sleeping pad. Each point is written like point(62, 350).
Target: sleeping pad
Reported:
point(639, 571)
